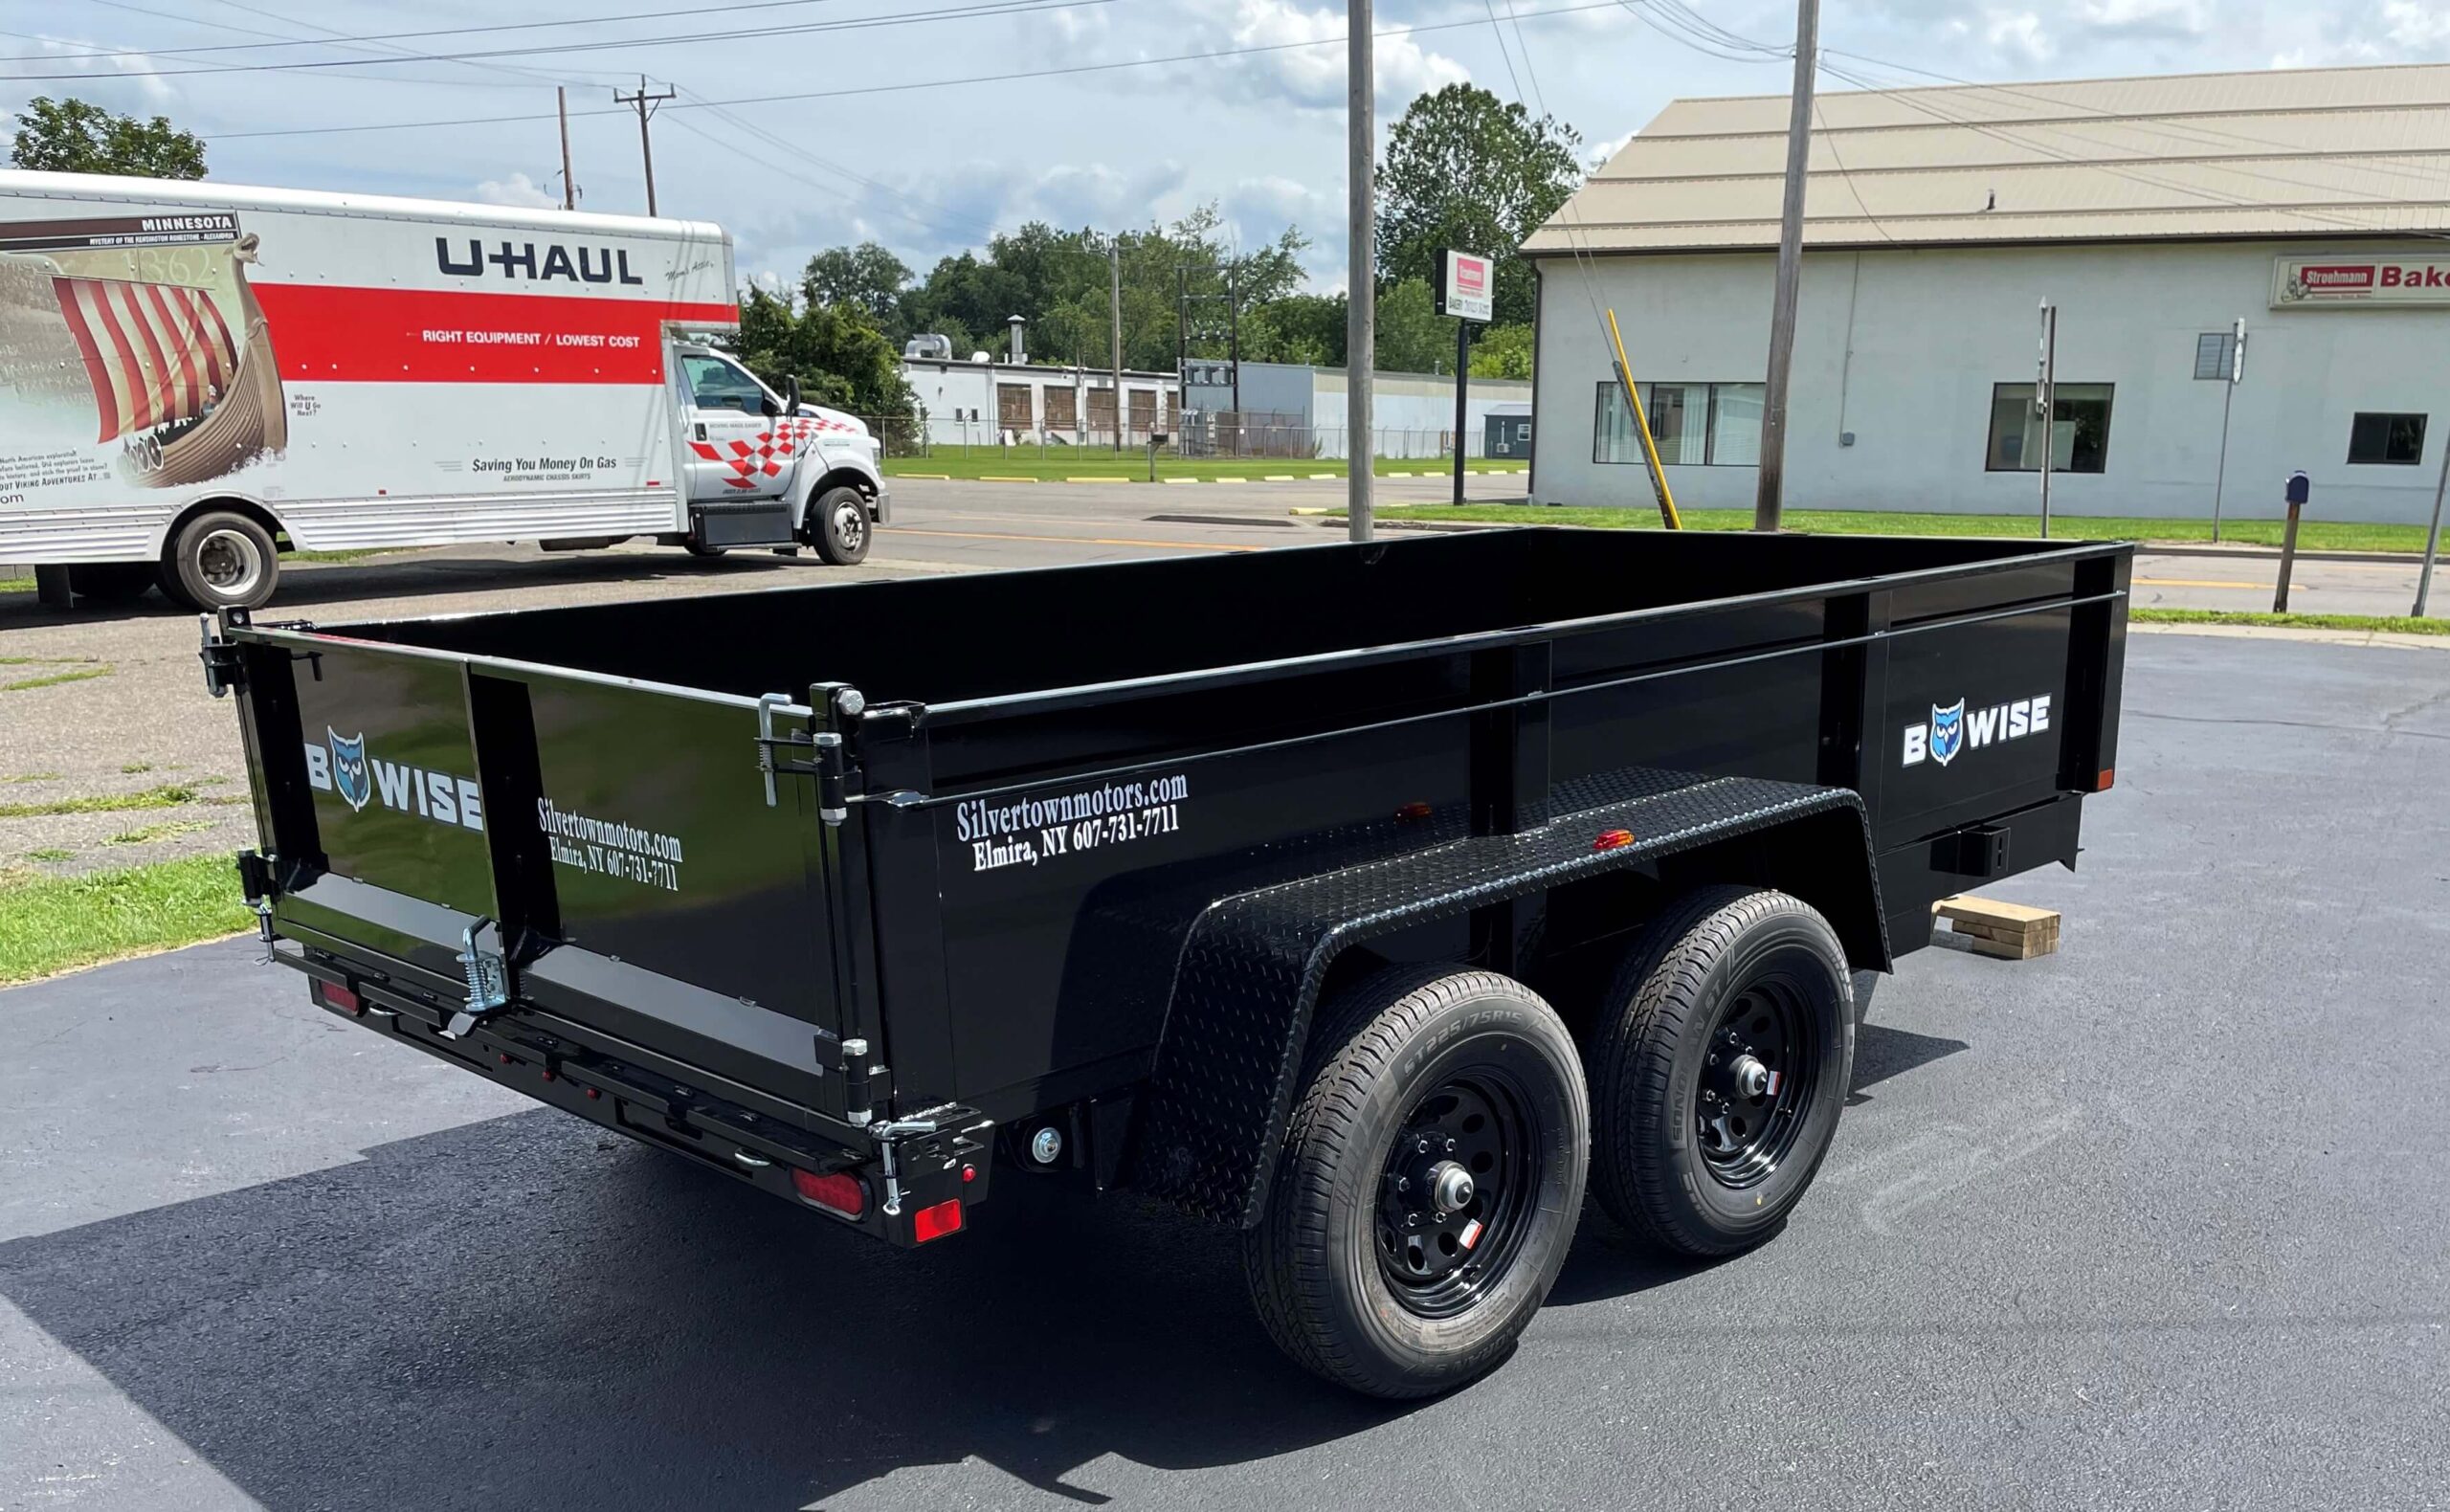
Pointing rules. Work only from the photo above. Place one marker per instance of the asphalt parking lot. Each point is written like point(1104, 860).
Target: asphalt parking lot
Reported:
point(2159, 1221)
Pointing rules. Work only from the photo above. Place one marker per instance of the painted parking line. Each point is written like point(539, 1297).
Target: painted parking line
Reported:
point(2197, 582)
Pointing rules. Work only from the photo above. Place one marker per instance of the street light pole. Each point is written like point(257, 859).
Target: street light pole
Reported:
point(2432, 541)
point(1361, 306)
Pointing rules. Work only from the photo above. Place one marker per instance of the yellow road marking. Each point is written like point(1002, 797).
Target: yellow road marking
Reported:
point(1105, 480)
point(1003, 478)
point(2196, 582)
point(1087, 541)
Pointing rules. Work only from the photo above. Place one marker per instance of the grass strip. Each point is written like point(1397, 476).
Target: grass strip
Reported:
point(166, 797)
point(54, 924)
point(2386, 624)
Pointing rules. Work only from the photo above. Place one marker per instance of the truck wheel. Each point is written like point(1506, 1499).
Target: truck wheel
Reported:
point(1724, 1049)
point(220, 560)
point(1430, 1181)
point(840, 522)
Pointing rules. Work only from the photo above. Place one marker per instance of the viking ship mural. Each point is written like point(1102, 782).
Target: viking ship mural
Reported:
point(174, 350)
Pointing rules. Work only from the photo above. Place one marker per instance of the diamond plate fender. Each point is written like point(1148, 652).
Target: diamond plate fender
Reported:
point(1251, 967)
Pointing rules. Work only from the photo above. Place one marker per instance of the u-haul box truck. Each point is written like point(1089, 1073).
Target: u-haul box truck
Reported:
point(194, 376)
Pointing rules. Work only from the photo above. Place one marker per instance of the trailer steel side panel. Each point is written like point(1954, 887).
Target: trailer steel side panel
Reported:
point(1003, 804)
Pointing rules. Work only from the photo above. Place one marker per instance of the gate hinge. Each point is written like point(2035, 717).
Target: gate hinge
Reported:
point(220, 658)
point(825, 760)
point(488, 977)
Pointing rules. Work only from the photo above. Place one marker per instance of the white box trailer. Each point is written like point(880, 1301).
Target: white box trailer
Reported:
point(195, 376)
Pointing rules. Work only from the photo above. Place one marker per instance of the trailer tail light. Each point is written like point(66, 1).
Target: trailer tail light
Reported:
point(934, 1223)
point(1612, 839)
point(2101, 784)
point(331, 994)
point(839, 1192)
point(1414, 810)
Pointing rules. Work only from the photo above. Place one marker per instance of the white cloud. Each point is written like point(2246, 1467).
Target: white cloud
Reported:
point(2413, 24)
point(517, 190)
point(1600, 152)
point(1315, 76)
point(2019, 32)
point(2176, 18)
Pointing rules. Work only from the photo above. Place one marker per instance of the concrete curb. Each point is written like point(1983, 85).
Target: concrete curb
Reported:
point(1269, 477)
point(2395, 639)
point(2205, 548)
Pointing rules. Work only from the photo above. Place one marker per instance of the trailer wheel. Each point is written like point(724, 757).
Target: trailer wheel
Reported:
point(220, 560)
point(1430, 1181)
point(1724, 1049)
point(840, 522)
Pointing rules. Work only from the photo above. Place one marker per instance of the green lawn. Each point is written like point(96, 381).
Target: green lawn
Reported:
point(52, 924)
point(2396, 624)
point(1055, 464)
point(2313, 535)
point(166, 797)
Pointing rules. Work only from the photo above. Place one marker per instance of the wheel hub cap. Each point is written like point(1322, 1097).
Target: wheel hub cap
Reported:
point(1456, 1192)
point(1757, 1081)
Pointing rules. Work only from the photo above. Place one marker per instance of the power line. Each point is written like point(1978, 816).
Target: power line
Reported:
point(57, 48)
point(984, 10)
point(337, 37)
point(1065, 71)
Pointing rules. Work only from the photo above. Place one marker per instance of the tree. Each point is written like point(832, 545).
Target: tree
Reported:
point(1413, 337)
point(866, 276)
point(72, 136)
point(836, 351)
point(1502, 351)
point(1468, 172)
point(1296, 328)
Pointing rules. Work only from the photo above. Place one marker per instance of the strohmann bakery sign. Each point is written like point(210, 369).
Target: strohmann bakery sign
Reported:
point(2300, 281)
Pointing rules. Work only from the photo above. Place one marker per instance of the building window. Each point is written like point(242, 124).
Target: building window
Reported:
point(2397, 439)
point(1692, 424)
point(2079, 429)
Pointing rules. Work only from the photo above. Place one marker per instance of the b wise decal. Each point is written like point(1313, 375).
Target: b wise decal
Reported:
point(341, 764)
point(1954, 729)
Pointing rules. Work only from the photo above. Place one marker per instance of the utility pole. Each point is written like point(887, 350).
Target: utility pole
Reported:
point(1114, 270)
point(1361, 304)
point(562, 108)
point(2228, 396)
point(646, 104)
point(2045, 394)
point(1768, 501)
point(1234, 328)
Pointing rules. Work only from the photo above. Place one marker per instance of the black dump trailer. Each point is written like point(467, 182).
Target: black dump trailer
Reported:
point(1372, 898)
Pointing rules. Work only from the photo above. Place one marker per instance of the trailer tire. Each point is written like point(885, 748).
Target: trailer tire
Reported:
point(838, 521)
point(220, 559)
point(1407, 1293)
point(1706, 1142)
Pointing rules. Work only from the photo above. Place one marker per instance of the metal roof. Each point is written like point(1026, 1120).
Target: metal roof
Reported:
point(2301, 152)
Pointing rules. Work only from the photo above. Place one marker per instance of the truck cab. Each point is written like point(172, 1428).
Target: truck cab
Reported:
point(763, 469)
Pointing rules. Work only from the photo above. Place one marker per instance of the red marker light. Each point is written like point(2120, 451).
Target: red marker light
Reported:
point(2101, 784)
point(334, 995)
point(934, 1223)
point(1414, 810)
point(968, 1174)
point(839, 1192)
point(1612, 839)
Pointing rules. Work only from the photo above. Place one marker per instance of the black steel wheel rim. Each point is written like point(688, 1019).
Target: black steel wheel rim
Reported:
point(1760, 1071)
point(1438, 1255)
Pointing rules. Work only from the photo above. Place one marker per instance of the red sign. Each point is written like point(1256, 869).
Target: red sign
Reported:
point(2395, 281)
point(1471, 275)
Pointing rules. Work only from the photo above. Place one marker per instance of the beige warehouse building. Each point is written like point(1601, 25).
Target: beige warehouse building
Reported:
point(2155, 214)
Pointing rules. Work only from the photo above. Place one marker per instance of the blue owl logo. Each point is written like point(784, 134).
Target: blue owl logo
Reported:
point(1947, 731)
point(348, 768)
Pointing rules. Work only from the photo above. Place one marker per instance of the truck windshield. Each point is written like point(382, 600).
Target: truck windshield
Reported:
point(715, 384)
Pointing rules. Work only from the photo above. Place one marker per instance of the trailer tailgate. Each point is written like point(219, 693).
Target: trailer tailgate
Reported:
point(611, 841)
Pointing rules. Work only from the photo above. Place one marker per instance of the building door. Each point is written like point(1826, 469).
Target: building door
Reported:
point(1012, 408)
point(1144, 413)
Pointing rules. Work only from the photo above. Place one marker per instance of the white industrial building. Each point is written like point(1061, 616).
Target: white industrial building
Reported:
point(1296, 409)
point(2155, 214)
point(982, 402)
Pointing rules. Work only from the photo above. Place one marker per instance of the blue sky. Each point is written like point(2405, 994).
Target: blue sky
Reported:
point(930, 170)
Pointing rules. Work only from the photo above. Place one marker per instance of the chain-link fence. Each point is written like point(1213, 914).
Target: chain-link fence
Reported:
point(1212, 437)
